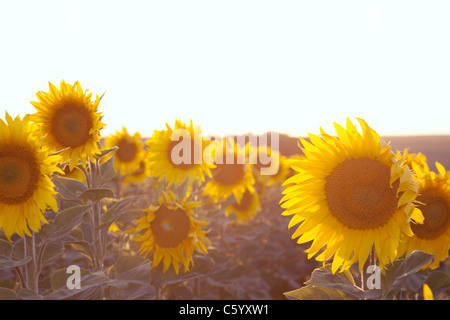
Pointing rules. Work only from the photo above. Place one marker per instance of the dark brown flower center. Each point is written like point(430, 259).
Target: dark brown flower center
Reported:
point(170, 227)
point(359, 194)
point(127, 150)
point(19, 174)
point(436, 213)
point(71, 125)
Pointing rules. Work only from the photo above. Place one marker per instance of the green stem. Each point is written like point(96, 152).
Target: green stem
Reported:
point(374, 258)
point(25, 267)
point(86, 176)
point(40, 257)
point(21, 277)
point(31, 275)
point(98, 235)
point(158, 293)
point(93, 234)
point(95, 217)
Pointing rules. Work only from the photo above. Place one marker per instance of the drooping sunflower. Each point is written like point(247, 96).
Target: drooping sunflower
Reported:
point(230, 176)
point(247, 209)
point(26, 190)
point(167, 157)
point(433, 236)
point(350, 195)
point(171, 233)
point(129, 156)
point(69, 119)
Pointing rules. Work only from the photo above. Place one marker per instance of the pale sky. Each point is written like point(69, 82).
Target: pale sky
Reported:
point(236, 66)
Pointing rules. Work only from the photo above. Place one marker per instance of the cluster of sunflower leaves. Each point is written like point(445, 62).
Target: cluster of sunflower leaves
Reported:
point(253, 261)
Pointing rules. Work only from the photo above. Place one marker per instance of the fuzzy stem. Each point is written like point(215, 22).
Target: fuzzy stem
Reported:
point(31, 276)
point(23, 283)
point(25, 267)
point(374, 258)
point(95, 217)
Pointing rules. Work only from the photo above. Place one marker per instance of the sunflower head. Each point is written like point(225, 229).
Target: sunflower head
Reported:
point(26, 190)
point(277, 161)
point(349, 193)
point(171, 233)
point(247, 209)
point(433, 235)
point(177, 154)
point(141, 174)
point(231, 175)
point(69, 120)
point(130, 152)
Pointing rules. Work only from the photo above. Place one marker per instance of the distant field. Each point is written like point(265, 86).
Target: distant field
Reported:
point(435, 148)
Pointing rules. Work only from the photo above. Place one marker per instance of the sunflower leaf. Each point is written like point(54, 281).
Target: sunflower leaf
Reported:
point(438, 282)
point(82, 247)
point(52, 250)
point(132, 269)
point(7, 294)
point(132, 278)
point(107, 171)
point(96, 194)
point(324, 278)
point(64, 222)
point(415, 281)
point(316, 293)
point(8, 263)
point(27, 294)
point(401, 273)
point(88, 282)
point(115, 211)
point(69, 189)
point(105, 152)
point(5, 248)
point(59, 278)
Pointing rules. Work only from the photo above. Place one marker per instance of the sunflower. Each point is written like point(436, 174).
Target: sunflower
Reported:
point(138, 176)
point(171, 232)
point(167, 159)
point(279, 162)
point(409, 158)
point(246, 209)
point(128, 157)
point(229, 177)
point(25, 186)
point(350, 195)
point(433, 236)
point(70, 120)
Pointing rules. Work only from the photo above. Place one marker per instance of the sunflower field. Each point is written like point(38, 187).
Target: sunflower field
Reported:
point(181, 216)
